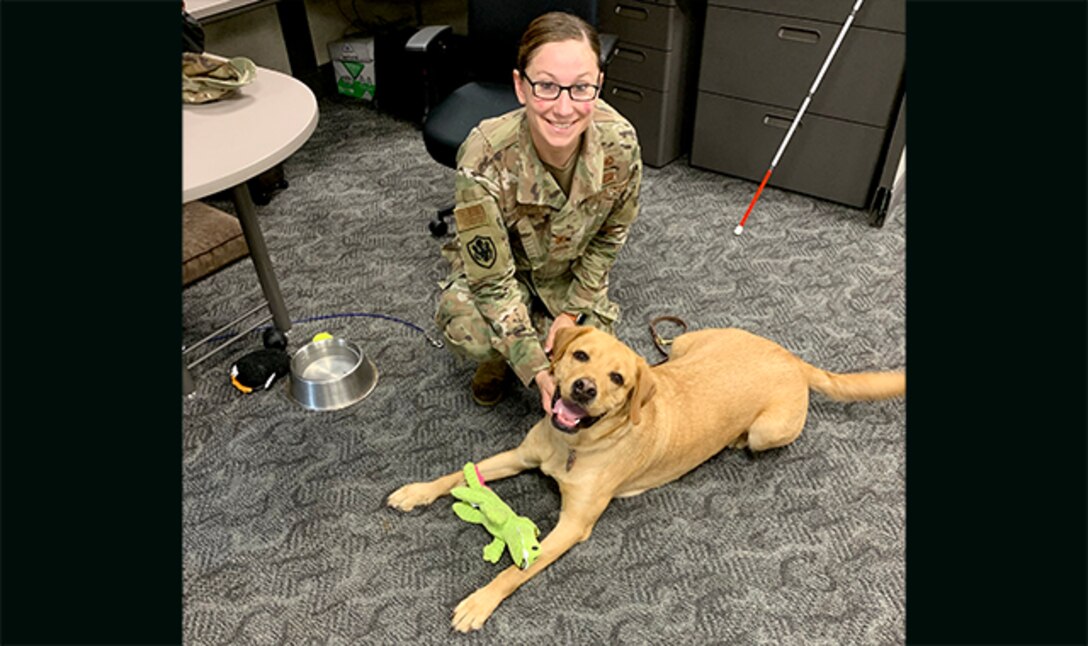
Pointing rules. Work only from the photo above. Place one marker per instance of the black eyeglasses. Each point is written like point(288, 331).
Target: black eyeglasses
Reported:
point(550, 91)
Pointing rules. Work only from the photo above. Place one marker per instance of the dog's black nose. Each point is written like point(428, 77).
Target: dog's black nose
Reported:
point(583, 390)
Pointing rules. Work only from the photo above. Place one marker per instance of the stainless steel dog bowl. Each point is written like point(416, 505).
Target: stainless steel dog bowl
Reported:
point(330, 374)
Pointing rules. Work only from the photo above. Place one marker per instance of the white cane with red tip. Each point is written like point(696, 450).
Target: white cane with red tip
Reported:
point(797, 119)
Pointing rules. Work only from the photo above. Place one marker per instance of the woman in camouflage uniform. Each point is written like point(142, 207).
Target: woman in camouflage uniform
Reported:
point(545, 196)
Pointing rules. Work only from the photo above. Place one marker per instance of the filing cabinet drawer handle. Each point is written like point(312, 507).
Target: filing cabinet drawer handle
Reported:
point(629, 95)
point(630, 54)
point(634, 13)
point(799, 35)
point(779, 122)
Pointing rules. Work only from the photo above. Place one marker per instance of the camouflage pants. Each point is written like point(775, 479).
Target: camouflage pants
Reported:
point(468, 334)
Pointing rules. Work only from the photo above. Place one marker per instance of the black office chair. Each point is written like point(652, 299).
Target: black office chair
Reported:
point(487, 55)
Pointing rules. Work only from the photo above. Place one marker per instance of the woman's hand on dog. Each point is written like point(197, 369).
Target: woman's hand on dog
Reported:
point(544, 380)
point(546, 384)
point(560, 322)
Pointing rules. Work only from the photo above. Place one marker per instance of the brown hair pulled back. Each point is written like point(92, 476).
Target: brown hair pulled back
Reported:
point(554, 27)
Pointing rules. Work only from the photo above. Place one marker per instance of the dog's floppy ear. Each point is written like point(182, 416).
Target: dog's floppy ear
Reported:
point(643, 390)
point(563, 337)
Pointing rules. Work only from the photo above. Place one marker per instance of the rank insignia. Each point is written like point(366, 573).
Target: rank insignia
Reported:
point(482, 251)
point(470, 217)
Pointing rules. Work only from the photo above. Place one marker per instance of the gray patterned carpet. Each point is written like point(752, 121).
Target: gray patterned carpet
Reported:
point(286, 536)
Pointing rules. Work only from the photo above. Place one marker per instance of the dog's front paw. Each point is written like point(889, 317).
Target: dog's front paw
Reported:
point(474, 610)
point(410, 496)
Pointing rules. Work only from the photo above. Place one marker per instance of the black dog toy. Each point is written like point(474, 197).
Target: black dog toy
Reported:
point(261, 368)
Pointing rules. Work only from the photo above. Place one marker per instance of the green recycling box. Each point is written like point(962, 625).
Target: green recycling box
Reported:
point(353, 62)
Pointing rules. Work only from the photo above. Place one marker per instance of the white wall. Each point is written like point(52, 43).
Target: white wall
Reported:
point(256, 34)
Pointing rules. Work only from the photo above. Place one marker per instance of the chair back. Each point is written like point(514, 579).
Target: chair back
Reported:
point(495, 28)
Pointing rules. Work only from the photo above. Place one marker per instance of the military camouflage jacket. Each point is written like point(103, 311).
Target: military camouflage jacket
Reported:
point(515, 223)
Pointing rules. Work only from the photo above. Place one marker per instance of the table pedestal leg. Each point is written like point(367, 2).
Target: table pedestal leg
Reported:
point(258, 252)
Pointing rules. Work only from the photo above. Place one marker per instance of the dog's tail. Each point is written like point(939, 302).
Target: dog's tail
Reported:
point(856, 386)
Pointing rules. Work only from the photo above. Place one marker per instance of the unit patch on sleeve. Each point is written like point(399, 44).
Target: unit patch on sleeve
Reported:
point(482, 251)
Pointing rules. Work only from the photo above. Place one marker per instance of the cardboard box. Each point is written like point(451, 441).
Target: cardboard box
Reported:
point(353, 62)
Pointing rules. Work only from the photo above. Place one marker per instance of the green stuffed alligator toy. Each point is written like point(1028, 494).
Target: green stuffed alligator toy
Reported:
point(482, 506)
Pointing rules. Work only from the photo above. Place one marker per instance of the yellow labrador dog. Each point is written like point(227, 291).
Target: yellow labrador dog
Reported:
point(620, 427)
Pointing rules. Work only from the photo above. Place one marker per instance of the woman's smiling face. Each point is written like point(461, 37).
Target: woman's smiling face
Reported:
point(557, 125)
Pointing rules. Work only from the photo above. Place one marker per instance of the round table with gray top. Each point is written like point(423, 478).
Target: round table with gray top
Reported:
point(228, 142)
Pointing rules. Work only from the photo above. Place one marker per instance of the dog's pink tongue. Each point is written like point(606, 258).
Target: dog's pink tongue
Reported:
point(568, 414)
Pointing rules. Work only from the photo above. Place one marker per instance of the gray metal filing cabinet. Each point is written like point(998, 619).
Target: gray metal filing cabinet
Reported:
point(759, 60)
point(650, 78)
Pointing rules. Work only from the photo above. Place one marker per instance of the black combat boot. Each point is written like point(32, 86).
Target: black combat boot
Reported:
point(489, 382)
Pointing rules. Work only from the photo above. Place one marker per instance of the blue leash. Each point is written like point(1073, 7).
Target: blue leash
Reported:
point(325, 317)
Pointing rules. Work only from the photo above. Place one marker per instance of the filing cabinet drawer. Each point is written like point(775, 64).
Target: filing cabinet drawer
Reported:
point(775, 59)
point(889, 15)
point(643, 23)
point(827, 158)
point(646, 67)
point(655, 116)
